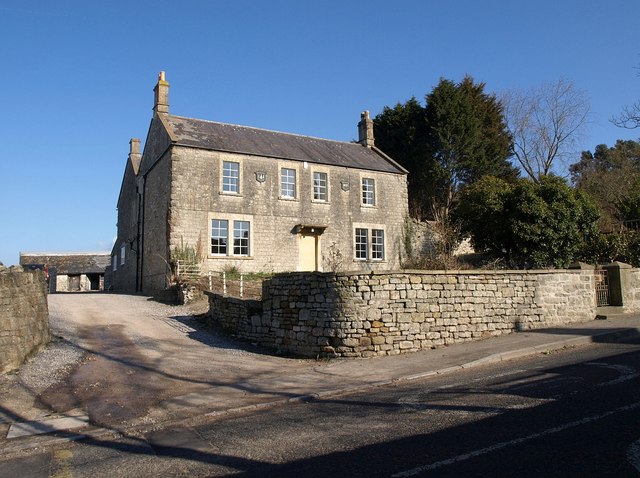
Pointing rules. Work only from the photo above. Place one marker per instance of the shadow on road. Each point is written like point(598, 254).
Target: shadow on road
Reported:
point(550, 438)
point(599, 335)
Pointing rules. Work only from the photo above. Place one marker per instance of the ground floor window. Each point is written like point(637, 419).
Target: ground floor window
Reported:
point(377, 244)
point(362, 243)
point(220, 237)
point(240, 238)
point(366, 249)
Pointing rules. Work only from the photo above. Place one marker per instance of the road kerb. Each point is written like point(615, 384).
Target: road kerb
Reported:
point(93, 432)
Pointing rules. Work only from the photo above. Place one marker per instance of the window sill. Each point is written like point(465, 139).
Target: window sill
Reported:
point(288, 199)
point(368, 206)
point(235, 258)
point(317, 201)
point(236, 195)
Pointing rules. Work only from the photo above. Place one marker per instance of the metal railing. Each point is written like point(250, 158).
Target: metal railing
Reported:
point(602, 287)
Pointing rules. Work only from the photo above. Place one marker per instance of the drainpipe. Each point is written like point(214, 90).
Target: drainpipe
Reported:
point(138, 234)
point(140, 279)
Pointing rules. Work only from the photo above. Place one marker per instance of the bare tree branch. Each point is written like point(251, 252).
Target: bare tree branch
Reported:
point(545, 123)
point(630, 116)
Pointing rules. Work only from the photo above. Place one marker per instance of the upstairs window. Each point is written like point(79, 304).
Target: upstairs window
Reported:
point(219, 237)
point(122, 251)
point(288, 183)
point(368, 192)
point(230, 177)
point(320, 192)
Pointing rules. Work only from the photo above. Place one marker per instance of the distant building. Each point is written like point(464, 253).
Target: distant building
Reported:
point(254, 200)
point(70, 271)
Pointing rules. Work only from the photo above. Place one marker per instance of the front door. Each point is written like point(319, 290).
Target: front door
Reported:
point(308, 252)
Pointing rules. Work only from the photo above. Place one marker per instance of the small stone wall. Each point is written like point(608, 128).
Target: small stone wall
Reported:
point(630, 284)
point(24, 316)
point(238, 316)
point(363, 315)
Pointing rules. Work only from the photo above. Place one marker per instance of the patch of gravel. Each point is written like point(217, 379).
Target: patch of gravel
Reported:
point(185, 318)
point(56, 360)
point(51, 365)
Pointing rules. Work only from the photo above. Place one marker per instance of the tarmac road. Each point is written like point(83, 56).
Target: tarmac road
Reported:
point(569, 413)
point(126, 366)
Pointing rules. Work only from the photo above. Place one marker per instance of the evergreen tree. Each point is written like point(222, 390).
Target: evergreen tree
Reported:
point(401, 132)
point(455, 139)
point(611, 176)
point(529, 224)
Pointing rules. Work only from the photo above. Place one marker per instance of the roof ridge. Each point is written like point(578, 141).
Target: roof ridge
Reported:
point(100, 253)
point(267, 130)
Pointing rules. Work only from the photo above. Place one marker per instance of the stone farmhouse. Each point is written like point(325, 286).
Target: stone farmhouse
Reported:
point(254, 200)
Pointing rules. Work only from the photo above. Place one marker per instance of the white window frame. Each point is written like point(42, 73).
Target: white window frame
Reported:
point(320, 192)
point(377, 241)
point(230, 177)
point(368, 189)
point(233, 234)
point(219, 237)
point(240, 241)
point(369, 243)
point(286, 184)
point(122, 253)
point(361, 249)
point(114, 262)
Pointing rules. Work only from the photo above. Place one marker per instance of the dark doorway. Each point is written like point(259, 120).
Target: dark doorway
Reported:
point(74, 283)
point(53, 279)
point(94, 281)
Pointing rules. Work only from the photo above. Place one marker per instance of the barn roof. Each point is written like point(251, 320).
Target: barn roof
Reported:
point(69, 262)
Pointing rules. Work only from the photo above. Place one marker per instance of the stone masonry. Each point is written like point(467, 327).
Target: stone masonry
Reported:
point(24, 316)
point(388, 313)
point(254, 200)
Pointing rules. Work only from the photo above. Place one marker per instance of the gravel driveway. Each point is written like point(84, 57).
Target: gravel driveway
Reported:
point(127, 360)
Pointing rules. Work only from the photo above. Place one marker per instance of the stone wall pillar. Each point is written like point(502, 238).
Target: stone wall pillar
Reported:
point(618, 275)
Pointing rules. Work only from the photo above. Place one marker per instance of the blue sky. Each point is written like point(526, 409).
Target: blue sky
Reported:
point(76, 80)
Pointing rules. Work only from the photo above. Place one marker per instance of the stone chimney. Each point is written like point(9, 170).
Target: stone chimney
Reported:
point(134, 154)
point(161, 96)
point(365, 130)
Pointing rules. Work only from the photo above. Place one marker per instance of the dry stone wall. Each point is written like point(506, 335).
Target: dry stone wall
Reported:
point(630, 293)
point(363, 315)
point(24, 316)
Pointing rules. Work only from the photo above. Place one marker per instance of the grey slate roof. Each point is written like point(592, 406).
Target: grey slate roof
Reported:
point(70, 263)
point(260, 142)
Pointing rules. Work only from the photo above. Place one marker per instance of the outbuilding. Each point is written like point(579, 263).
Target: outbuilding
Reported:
point(70, 271)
